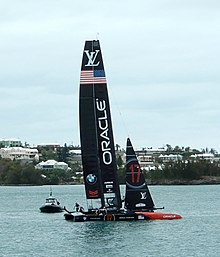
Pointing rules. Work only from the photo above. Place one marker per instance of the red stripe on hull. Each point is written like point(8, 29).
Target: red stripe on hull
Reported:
point(160, 215)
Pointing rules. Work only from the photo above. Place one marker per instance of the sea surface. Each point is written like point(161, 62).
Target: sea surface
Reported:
point(24, 231)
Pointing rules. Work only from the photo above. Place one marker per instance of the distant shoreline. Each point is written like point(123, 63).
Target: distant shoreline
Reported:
point(206, 180)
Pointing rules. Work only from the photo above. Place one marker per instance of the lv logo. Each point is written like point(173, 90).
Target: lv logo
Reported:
point(92, 58)
point(143, 195)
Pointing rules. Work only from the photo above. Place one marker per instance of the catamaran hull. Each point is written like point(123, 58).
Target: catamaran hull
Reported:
point(107, 217)
point(121, 216)
point(159, 215)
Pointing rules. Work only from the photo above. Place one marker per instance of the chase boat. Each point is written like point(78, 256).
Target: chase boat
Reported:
point(51, 205)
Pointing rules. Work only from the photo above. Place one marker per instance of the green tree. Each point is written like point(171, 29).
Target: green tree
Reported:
point(48, 154)
point(63, 154)
point(119, 161)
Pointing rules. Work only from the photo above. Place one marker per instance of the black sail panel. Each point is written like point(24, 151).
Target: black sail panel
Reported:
point(97, 143)
point(89, 150)
point(137, 195)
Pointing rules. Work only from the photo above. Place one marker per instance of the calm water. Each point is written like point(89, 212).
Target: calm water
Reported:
point(24, 231)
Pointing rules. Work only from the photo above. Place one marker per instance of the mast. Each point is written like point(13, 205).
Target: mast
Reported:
point(96, 135)
point(137, 195)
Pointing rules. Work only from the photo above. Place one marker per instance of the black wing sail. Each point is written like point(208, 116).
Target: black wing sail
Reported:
point(97, 143)
point(137, 196)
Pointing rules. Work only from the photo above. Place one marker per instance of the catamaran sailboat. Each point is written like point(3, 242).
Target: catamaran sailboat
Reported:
point(98, 153)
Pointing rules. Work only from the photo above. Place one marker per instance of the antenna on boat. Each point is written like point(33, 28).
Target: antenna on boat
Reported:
point(97, 36)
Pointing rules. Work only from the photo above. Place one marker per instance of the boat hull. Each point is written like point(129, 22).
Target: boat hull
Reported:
point(80, 217)
point(159, 215)
point(106, 217)
point(51, 208)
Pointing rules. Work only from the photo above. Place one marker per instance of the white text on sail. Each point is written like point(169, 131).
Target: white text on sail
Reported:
point(103, 126)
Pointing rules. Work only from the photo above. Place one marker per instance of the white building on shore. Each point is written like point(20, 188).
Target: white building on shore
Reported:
point(203, 156)
point(52, 164)
point(10, 142)
point(19, 153)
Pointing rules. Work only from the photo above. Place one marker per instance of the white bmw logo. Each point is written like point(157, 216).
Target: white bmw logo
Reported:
point(91, 179)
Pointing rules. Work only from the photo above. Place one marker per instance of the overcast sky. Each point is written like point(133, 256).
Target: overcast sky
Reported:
point(161, 57)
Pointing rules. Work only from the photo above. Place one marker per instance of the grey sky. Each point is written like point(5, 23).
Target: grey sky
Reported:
point(161, 58)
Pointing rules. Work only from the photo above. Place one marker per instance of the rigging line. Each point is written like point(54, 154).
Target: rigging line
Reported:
point(119, 112)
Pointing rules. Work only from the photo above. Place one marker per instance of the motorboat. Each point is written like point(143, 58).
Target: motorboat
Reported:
point(51, 205)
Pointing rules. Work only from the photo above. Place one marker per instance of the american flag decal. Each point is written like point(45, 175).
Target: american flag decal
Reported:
point(92, 77)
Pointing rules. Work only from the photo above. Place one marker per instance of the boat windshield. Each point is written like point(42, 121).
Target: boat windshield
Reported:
point(51, 200)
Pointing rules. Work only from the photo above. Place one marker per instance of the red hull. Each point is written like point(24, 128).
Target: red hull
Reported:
point(160, 215)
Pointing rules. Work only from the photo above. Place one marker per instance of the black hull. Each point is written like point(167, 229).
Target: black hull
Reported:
point(51, 209)
point(104, 217)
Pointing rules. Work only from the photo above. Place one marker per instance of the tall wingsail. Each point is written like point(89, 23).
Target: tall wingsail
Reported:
point(137, 195)
point(97, 143)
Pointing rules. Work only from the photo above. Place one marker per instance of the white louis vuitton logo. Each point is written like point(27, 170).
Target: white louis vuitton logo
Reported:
point(92, 57)
point(143, 195)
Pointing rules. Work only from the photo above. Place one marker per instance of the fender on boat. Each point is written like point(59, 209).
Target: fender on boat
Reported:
point(160, 215)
